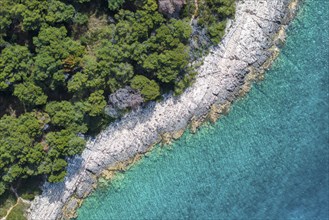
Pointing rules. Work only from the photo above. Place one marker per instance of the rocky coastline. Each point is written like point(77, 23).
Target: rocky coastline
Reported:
point(247, 49)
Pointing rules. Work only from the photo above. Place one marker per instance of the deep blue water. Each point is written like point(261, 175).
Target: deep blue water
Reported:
point(267, 159)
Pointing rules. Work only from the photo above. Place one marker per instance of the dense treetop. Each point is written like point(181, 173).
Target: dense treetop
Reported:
point(61, 59)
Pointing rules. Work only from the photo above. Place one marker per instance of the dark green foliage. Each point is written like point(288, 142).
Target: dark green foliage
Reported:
point(19, 154)
point(2, 189)
point(216, 31)
point(184, 82)
point(115, 4)
point(167, 65)
point(80, 18)
point(64, 142)
point(61, 59)
point(15, 62)
point(30, 94)
point(59, 12)
point(148, 88)
point(213, 15)
point(64, 114)
point(96, 103)
point(35, 13)
point(54, 52)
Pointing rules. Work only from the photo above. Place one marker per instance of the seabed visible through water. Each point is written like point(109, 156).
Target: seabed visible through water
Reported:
point(267, 159)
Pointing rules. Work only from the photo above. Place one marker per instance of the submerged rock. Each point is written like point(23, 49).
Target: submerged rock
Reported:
point(70, 208)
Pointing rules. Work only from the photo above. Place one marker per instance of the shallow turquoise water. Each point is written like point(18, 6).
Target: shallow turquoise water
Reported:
point(268, 159)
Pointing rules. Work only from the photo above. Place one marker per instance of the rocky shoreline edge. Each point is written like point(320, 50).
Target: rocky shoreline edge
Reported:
point(247, 50)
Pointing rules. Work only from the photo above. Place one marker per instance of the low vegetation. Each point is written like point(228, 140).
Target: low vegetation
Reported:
point(18, 211)
point(7, 200)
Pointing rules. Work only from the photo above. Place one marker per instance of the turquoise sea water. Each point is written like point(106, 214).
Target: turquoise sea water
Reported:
point(267, 159)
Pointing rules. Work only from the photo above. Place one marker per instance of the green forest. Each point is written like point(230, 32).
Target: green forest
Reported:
point(60, 60)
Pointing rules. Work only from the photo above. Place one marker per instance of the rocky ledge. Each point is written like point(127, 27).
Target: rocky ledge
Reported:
point(249, 43)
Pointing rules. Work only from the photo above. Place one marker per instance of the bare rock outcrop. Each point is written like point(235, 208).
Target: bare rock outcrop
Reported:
point(246, 46)
point(123, 99)
point(171, 8)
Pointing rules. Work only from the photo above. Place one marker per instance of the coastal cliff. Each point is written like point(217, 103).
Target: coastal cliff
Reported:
point(249, 43)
